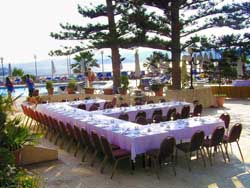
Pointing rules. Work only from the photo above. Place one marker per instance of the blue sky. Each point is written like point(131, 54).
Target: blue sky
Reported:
point(26, 24)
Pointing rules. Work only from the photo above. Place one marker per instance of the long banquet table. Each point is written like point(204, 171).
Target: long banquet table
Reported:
point(148, 108)
point(130, 136)
point(239, 83)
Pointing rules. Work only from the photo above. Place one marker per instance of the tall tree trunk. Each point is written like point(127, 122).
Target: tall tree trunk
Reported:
point(175, 46)
point(114, 49)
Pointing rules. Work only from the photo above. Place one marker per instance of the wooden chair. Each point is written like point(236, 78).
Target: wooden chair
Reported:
point(124, 105)
point(141, 120)
point(226, 118)
point(197, 110)
point(82, 106)
point(185, 112)
point(164, 154)
point(215, 142)
point(195, 144)
point(150, 102)
point(88, 144)
point(124, 117)
point(113, 155)
point(98, 146)
point(170, 113)
point(234, 136)
point(93, 108)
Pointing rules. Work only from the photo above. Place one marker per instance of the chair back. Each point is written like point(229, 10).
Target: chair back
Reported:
point(96, 142)
point(64, 128)
point(106, 147)
point(197, 140)
point(114, 100)
point(124, 116)
point(82, 106)
point(217, 135)
point(108, 105)
point(141, 120)
point(170, 113)
point(86, 138)
point(138, 103)
point(162, 100)
point(167, 148)
point(93, 108)
point(78, 134)
point(124, 105)
point(150, 102)
point(234, 134)
point(71, 130)
point(226, 118)
point(141, 113)
point(197, 110)
point(157, 111)
point(185, 112)
point(157, 118)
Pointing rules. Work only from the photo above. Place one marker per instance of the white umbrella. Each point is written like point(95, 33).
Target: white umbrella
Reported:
point(137, 66)
point(82, 68)
point(10, 70)
point(53, 69)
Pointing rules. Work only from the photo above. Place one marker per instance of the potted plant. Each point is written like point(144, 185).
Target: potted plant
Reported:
point(124, 85)
point(157, 88)
point(71, 87)
point(14, 136)
point(89, 90)
point(49, 87)
point(108, 91)
point(34, 100)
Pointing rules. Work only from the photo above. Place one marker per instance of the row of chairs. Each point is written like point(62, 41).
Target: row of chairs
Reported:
point(78, 138)
point(158, 117)
point(198, 143)
point(167, 152)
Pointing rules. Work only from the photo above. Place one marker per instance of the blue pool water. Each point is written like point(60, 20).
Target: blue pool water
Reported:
point(24, 91)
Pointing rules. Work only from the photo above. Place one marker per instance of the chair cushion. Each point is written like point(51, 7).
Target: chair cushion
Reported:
point(120, 153)
point(225, 139)
point(185, 147)
point(207, 143)
point(114, 147)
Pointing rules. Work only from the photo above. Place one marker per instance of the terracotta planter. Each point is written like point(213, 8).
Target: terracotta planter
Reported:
point(89, 90)
point(159, 92)
point(50, 91)
point(35, 93)
point(220, 101)
point(17, 156)
point(122, 91)
point(70, 90)
point(108, 91)
point(32, 100)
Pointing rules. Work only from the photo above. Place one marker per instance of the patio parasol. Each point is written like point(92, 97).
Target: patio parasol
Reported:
point(137, 66)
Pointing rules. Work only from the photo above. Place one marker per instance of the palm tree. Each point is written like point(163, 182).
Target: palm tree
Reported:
point(82, 61)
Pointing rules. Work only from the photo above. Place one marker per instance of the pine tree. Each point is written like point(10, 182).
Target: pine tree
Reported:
point(175, 24)
point(94, 35)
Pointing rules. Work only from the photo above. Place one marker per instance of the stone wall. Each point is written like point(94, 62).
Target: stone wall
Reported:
point(203, 95)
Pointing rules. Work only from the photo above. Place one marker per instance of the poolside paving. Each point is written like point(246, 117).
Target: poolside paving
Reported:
point(69, 171)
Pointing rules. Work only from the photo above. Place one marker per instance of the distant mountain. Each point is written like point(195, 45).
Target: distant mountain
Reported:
point(44, 66)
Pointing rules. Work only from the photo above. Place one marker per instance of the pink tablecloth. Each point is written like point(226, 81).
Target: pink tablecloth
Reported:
point(130, 136)
point(149, 109)
point(88, 103)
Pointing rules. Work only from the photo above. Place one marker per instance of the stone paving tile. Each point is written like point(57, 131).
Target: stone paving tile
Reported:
point(70, 172)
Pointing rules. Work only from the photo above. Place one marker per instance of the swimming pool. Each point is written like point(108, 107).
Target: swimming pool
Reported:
point(22, 90)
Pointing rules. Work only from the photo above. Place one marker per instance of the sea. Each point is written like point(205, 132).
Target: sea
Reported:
point(44, 67)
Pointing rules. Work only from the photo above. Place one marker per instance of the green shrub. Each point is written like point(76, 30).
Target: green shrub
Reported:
point(49, 84)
